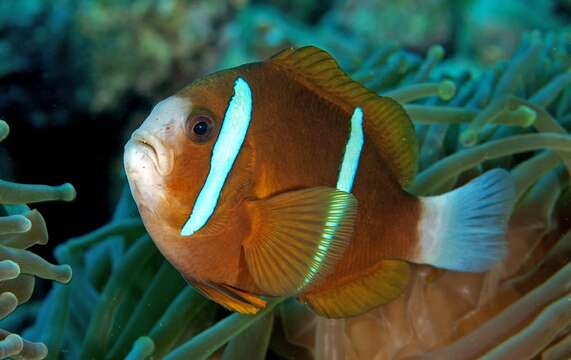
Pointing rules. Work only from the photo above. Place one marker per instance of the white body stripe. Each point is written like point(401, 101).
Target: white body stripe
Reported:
point(352, 154)
point(224, 153)
point(347, 174)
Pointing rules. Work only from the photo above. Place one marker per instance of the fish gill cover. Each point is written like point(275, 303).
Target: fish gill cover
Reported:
point(126, 301)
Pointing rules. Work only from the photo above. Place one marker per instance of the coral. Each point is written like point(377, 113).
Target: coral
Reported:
point(86, 59)
point(411, 23)
point(159, 42)
point(125, 300)
point(492, 29)
point(260, 31)
point(33, 47)
point(303, 10)
point(20, 229)
point(89, 56)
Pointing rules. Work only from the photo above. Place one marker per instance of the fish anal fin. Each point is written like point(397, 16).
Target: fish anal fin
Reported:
point(380, 285)
point(297, 237)
point(231, 298)
point(386, 122)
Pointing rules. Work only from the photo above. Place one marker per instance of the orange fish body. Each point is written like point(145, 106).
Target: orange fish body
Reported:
point(286, 178)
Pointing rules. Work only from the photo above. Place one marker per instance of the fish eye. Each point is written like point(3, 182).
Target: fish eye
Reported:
point(199, 127)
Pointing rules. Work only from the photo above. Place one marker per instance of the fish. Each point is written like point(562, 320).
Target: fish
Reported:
point(285, 177)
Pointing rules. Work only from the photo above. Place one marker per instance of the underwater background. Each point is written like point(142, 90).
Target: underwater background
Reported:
point(486, 83)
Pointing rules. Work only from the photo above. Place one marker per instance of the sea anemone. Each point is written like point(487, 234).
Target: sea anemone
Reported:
point(513, 116)
point(21, 228)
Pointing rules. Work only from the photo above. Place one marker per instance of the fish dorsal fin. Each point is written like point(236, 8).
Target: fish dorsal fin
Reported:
point(386, 122)
point(231, 298)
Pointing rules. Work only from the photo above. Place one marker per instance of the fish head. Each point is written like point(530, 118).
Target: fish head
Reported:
point(170, 160)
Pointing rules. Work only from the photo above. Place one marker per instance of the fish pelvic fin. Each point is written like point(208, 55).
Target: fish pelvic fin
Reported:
point(377, 286)
point(231, 298)
point(297, 237)
point(464, 230)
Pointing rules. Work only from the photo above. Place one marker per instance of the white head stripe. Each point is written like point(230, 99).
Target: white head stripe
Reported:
point(352, 154)
point(224, 153)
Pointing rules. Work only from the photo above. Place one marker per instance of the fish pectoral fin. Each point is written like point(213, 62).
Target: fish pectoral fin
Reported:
point(297, 237)
point(378, 286)
point(231, 298)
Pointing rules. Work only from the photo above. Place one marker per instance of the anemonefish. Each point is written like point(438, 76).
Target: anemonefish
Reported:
point(287, 178)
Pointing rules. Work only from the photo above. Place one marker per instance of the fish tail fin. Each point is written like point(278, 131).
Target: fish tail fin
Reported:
point(464, 230)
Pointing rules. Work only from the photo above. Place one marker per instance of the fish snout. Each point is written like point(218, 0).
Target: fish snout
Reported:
point(154, 148)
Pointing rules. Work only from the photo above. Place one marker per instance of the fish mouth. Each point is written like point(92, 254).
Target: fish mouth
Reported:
point(154, 149)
